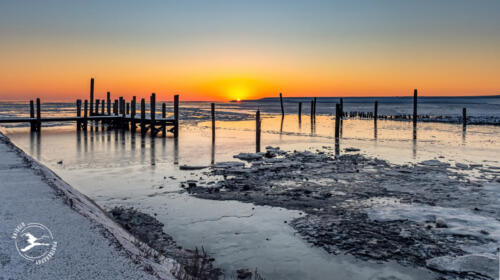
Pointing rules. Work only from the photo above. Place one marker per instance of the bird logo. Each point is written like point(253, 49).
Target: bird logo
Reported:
point(34, 242)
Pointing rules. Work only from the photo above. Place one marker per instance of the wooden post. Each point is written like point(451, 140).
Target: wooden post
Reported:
point(375, 112)
point(257, 131)
point(163, 122)
point(341, 108)
point(103, 106)
point(337, 122)
point(300, 111)
point(212, 107)
point(85, 114)
point(143, 116)
point(312, 113)
point(78, 114)
point(314, 109)
point(282, 108)
point(32, 115)
point(97, 103)
point(108, 97)
point(176, 116)
point(121, 106)
point(415, 94)
point(115, 107)
point(464, 116)
point(132, 114)
point(91, 96)
point(38, 115)
point(152, 111)
point(128, 109)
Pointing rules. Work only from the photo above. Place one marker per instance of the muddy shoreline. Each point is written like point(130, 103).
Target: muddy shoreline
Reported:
point(344, 200)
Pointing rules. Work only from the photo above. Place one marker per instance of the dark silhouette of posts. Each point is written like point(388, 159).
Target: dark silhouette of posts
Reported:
point(85, 114)
point(97, 103)
point(132, 114)
point(415, 95)
point(375, 113)
point(78, 114)
point(464, 117)
point(212, 111)
point(176, 116)
point(300, 112)
point(38, 115)
point(282, 108)
point(337, 122)
point(257, 131)
point(91, 96)
point(32, 115)
point(102, 107)
point(314, 110)
point(143, 116)
point(115, 107)
point(108, 97)
point(121, 106)
point(163, 116)
point(152, 111)
point(128, 109)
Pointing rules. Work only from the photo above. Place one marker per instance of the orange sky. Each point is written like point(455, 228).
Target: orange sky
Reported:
point(228, 52)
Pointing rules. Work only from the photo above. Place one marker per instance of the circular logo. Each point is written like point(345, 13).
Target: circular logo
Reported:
point(34, 242)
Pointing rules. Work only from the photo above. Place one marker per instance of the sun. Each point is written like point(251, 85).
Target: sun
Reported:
point(238, 92)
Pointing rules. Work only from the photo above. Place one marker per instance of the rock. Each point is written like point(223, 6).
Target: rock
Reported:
point(191, 167)
point(244, 273)
point(351, 149)
point(483, 264)
point(461, 165)
point(440, 223)
point(60, 162)
point(249, 156)
point(434, 162)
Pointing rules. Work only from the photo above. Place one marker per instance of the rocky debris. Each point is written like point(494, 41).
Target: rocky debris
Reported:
point(197, 264)
point(192, 167)
point(336, 191)
point(249, 156)
point(473, 265)
point(351, 149)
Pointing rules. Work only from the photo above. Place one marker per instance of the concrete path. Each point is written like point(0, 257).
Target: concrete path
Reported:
point(83, 251)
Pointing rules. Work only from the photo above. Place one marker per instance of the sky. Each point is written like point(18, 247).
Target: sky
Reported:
point(225, 50)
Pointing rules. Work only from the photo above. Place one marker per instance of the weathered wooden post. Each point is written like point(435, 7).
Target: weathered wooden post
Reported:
point(78, 114)
point(257, 131)
point(337, 122)
point(152, 110)
point(103, 107)
point(128, 109)
point(464, 117)
point(85, 114)
point(91, 96)
point(312, 113)
point(163, 122)
point(97, 103)
point(375, 112)
point(212, 111)
point(282, 108)
point(176, 116)
point(132, 114)
point(108, 97)
point(341, 108)
point(300, 112)
point(121, 106)
point(415, 94)
point(314, 109)
point(32, 115)
point(143, 116)
point(38, 115)
point(115, 107)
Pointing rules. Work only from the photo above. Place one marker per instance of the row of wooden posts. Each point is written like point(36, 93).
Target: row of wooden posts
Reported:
point(339, 116)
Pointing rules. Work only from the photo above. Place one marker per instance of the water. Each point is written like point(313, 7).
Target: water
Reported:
point(116, 168)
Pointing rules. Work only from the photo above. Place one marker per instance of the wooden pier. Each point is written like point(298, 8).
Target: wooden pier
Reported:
point(123, 115)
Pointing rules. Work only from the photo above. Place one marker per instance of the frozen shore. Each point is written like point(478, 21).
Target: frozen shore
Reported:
point(90, 245)
point(431, 214)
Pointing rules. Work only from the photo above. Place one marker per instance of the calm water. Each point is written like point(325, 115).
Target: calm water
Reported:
point(116, 168)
